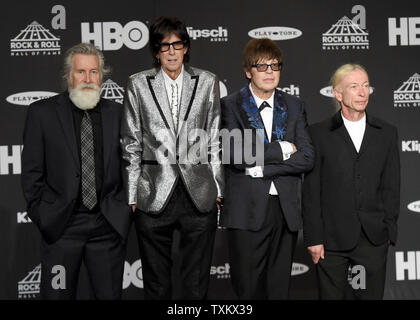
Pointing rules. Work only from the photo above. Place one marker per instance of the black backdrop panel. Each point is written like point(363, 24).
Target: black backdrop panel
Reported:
point(382, 36)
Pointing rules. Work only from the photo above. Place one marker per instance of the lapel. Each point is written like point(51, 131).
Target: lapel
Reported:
point(108, 125)
point(250, 110)
point(158, 90)
point(371, 125)
point(65, 118)
point(189, 88)
point(280, 118)
point(338, 124)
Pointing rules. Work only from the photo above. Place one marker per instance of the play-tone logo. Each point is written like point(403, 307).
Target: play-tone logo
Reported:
point(111, 36)
point(275, 33)
point(345, 34)
point(29, 286)
point(408, 95)
point(219, 34)
point(299, 268)
point(26, 98)
point(222, 89)
point(112, 91)
point(414, 206)
point(328, 91)
point(35, 40)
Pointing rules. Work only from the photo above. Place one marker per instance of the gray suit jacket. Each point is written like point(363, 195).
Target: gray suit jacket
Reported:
point(156, 156)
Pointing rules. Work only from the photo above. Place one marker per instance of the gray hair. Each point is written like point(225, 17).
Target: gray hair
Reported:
point(83, 48)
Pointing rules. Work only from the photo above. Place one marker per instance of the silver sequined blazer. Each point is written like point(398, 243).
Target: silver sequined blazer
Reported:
point(156, 155)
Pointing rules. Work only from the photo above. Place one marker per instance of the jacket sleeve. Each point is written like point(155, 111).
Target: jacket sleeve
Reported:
point(238, 147)
point(131, 141)
point(390, 187)
point(300, 161)
point(33, 161)
point(313, 226)
point(214, 145)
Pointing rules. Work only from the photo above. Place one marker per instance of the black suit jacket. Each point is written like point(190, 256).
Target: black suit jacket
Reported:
point(51, 166)
point(347, 190)
point(246, 198)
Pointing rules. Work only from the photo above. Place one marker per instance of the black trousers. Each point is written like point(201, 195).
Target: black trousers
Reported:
point(261, 261)
point(91, 239)
point(369, 264)
point(155, 236)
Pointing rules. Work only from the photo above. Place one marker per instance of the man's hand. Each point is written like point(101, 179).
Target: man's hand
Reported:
point(133, 207)
point(316, 252)
point(294, 147)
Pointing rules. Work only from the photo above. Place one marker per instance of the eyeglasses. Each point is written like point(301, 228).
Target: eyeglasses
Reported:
point(262, 67)
point(177, 45)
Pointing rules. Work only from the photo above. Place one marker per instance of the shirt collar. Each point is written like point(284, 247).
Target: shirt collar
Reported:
point(360, 122)
point(259, 101)
point(178, 80)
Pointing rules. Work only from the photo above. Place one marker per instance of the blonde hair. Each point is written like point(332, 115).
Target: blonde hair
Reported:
point(344, 70)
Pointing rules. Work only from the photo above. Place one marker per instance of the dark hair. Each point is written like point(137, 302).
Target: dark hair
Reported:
point(257, 49)
point(163, 27)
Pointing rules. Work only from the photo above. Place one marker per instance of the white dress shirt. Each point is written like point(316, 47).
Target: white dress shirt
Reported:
point(267, 117)
point(168, 83)
point(356, 130)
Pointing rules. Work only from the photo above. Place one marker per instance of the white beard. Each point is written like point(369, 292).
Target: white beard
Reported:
point(85, 99)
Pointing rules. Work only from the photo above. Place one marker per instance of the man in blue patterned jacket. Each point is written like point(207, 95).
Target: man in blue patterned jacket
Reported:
point(262, 210)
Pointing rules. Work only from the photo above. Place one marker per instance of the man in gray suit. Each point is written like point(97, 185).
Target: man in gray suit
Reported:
point(171, 184)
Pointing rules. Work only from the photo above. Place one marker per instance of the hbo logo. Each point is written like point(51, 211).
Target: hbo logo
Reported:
point(112, 35)
point(133, 275)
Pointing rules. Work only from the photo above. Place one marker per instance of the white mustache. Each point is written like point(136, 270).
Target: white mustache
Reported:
point(88, 85)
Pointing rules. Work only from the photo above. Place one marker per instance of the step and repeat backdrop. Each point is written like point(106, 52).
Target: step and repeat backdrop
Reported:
point(315, 36)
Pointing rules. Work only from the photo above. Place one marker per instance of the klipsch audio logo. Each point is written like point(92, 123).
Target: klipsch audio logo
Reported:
point(218, 34)
point(408, 95)
point(112, 36)
point(275, 33)
point(220, 272)
point(348, 33)
point(35, 40)
point(26, 98)
point(28, 287)
point(410, 146)
point(292, 89)
point(112, 91)
point(22, 217)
